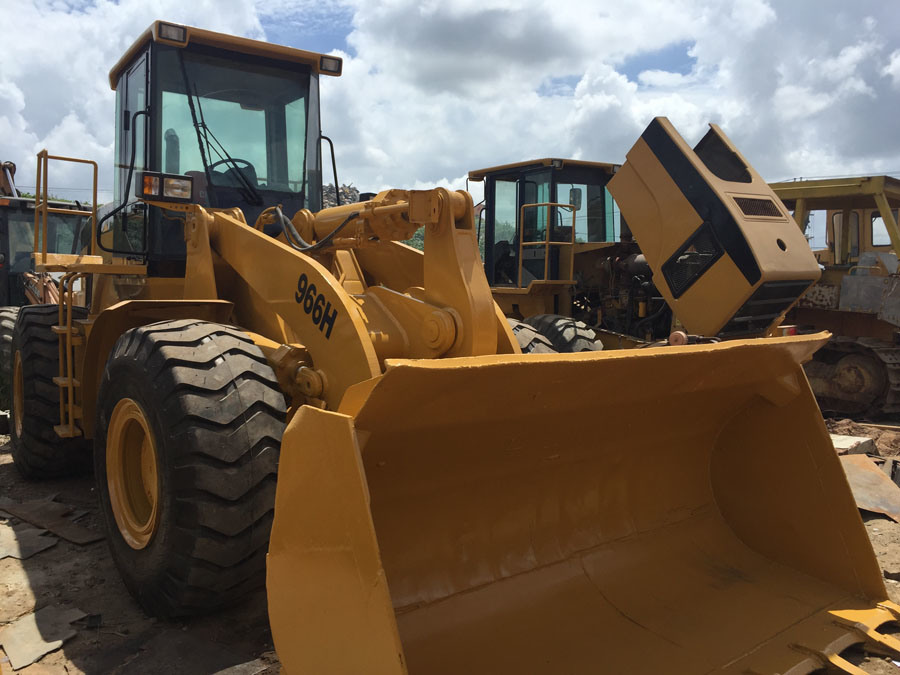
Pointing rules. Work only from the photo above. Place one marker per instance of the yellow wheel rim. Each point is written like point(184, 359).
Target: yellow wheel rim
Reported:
point(131, 473)
point(18, 394)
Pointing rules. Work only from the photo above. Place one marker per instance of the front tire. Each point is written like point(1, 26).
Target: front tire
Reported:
point(529, 339)
point(189, 425)
point(37, 451)
point(8, 316)
point(566, 334)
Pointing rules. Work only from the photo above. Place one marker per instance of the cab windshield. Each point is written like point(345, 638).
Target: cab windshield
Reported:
point(238, 126)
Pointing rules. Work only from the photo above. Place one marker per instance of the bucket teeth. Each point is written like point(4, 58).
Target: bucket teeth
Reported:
point(830, 663)
point(865, 623)
point(873, 641)
point(837, 664)
point(891, 607)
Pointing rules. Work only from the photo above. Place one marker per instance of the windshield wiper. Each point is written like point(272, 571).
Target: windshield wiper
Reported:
point(249, 193)
point(252, 195)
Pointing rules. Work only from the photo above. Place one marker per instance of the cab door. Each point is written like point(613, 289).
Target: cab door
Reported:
point(129, 226)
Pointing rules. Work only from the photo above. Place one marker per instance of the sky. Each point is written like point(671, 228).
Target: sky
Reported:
point(435, 88)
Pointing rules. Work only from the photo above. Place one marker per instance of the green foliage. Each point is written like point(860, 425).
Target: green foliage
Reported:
point(54, 198)
point(418, 240)
point(505, 230)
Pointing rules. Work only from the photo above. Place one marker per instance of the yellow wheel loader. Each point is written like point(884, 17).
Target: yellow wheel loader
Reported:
point(444, 503)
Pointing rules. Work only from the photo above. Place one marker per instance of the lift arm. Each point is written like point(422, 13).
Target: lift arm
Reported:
point(342, 320)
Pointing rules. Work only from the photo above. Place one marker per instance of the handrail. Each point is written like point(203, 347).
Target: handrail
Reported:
point(546, 243)
point(42, 198)
point(853, 268)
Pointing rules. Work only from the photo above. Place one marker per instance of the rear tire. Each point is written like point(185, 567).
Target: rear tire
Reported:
point(565, 334)
point(36, 449)
point(530, 340)
point(8, 316)
point(210, 420)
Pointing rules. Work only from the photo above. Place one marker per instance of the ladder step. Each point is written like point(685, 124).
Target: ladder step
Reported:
point(64, 382)
point(67, 430)
point(61, 330)
point(75, 340)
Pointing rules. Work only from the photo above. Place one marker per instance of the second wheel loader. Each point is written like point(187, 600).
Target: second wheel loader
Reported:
point(590, 262)
point(438, 501)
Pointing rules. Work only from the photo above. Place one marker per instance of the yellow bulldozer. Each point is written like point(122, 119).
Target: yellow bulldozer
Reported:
point(443, 503)
point(857, 299)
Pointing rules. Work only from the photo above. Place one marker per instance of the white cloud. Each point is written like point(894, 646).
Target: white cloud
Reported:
point(432, 89)
point(662, 78)
point(892, 69)
point(54, 90)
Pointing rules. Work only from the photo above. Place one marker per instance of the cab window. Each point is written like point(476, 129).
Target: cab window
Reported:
point(880, 236)
point(854, 231)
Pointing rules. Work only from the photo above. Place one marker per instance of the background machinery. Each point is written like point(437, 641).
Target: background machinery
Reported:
point(20, 284)
point(444, 503)
point(857, 299)
point(562, 258)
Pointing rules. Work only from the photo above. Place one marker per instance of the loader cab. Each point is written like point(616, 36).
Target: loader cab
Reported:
point(240, 117)
point(536, 215)
point(66, 233)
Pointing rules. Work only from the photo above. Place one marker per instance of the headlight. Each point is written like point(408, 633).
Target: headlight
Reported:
point(169, 31)
point(177, 188)
point(331, 65)
point(162, 187)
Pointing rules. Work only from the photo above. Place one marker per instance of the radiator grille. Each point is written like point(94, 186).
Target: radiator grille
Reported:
point(763, 307)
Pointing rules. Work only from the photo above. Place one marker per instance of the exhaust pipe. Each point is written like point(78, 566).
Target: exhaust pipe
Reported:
point(8, 185)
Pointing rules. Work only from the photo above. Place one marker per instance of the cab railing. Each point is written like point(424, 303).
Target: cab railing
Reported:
point(42, 207)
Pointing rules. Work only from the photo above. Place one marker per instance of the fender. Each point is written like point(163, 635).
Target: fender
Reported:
point(108, 326)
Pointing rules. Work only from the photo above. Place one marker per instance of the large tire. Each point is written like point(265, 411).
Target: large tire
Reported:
point(8, 316)
point(213, 416)
point(566, 334)
point(36, 449)
point(530, 340)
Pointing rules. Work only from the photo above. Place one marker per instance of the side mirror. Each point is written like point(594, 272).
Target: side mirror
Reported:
point(575, 198)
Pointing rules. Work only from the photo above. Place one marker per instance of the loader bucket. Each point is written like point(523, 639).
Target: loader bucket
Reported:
point(662, 510)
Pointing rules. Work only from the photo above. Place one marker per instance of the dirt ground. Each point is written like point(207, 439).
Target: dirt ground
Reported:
point(117, 637)
point(886, 440)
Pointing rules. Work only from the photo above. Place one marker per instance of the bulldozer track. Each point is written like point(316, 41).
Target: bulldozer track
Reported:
point(888, 356)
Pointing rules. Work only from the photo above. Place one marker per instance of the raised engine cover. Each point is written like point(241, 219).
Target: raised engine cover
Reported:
point(725, 253)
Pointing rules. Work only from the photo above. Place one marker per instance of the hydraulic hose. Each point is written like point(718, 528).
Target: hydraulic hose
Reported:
point(298, 243)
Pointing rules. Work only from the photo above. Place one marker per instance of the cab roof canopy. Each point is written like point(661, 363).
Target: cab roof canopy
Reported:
point(852, 192)
point(181, 36)
point(479, 174)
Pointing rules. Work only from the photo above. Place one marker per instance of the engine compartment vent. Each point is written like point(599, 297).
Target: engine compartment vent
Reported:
point(758, 207)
